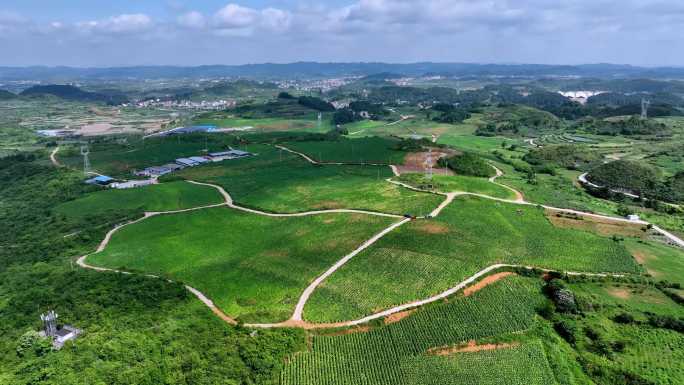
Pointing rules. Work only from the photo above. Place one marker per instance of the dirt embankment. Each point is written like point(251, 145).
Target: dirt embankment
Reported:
point(485, 282)
point(396, 317)
point(471, 347)
point(416, 162)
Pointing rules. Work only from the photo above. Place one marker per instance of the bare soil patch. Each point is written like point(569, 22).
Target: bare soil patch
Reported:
point(601, 226)
point(485, 282)
point(327, 205)
point(396, 317)
point(431, 227)
point(619, 292)
point(418, 162)
point(470, 347)
point(644, 257)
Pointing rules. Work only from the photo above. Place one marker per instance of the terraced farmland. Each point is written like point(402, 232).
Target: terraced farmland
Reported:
point(384, 355)
point(252, 267)
point(426, 257)
point(280, 181)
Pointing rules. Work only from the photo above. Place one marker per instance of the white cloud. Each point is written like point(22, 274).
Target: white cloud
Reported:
point(126, 23)
point(234, 16)
point(276, 19)
point(192, 19)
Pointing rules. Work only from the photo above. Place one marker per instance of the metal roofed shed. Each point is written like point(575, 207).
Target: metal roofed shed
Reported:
point(157, 171)
point(173, 166)
point(226, 155)
point(199, 159)
point(186, 162)
point(102, 180)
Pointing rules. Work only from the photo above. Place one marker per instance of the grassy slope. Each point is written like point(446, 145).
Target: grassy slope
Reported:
point(652, 354)
point(252, 266)
point(283, 182)
point(460, 183)
point(162, 197)
point(365, 150)
point(661, 261)
point(376, 357)
point(426, 257)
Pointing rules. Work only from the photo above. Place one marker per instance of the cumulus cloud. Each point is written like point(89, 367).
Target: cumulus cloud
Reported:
point(234, 16)
point(276, 19)
point(192, 19)
point(401, 30)
point(125, 23)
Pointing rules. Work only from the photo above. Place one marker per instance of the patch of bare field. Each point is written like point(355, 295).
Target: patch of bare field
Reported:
point(470, 290)
point(619, 292)
point(601, 226)
point(470, 347)
point(431, 227)
point(396, 317)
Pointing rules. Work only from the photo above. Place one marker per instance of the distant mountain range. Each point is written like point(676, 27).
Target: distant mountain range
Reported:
point(68, 92)
point(313, 70)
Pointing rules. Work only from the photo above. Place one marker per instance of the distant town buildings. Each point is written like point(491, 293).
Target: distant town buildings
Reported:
point(184, 104)
point(580, 96)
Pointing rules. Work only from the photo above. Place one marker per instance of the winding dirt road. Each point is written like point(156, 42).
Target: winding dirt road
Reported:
point(297, 318)
point(53, 157)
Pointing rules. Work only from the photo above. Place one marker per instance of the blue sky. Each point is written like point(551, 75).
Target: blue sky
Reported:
point(181, 32)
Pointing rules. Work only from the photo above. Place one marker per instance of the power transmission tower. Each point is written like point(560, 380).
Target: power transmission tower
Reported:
point(644, 108)
point(428, 163)
point(86, 160)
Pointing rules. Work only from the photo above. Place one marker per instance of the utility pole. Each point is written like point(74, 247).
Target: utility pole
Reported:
point(85, 151)
point(644, 108)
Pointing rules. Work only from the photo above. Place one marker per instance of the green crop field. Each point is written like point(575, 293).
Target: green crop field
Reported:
point(364, 150)
point(280, 181)
point(161, 197)
point(520, 365)
point(661, 261)
point(380, 356)
point(460, 183)
point(426, 257)
point(253, 267)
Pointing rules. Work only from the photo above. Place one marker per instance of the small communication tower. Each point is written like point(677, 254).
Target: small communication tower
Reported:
point(428, 165)
point(85, 151)
point(320, 119)
point(644, 108)
point(50, 323)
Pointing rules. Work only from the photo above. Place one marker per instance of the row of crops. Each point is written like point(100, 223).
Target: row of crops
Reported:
point(423, 258)
point(376, 357)
point(521, 365)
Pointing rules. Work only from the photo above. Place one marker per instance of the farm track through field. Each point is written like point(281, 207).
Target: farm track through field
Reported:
point(297, 320)
point(53, 157)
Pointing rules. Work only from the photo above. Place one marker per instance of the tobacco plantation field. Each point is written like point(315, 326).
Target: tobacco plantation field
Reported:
point(426, 257)
point(253, 267)
point(397, 353)
point(161, 197)
point(279, 181)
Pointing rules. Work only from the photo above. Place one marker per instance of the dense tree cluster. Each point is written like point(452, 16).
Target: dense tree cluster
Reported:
point(315, 103)
point(138, 330)
point(468, 164)
point(567, 156)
